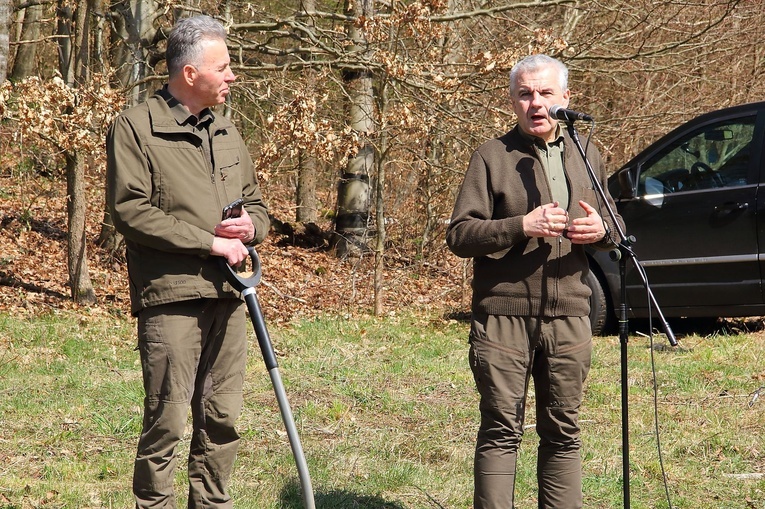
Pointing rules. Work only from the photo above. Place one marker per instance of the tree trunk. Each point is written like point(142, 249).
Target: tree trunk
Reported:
point(77, 250)
point(431, 161)
point(65, 19)
point(25, 63)
point(135, 38)
point(353, 190)
point(379, 277)
point(306, 210)
point(98, 30)
point(5, 19)
point(81, 62)
point(305, 199)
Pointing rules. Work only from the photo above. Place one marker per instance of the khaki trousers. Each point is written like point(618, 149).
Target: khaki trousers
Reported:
point(193, 354)
point(505, 353)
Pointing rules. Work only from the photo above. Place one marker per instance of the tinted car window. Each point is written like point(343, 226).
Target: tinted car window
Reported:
point(714, 156)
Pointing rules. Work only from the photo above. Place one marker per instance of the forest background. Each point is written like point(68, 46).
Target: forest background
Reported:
point(360, 117)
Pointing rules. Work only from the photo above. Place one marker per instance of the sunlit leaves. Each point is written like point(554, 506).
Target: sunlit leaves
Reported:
point(69, 118)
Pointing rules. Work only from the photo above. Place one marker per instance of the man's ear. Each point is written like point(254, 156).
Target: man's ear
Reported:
point(566, 97)
point(189, 74)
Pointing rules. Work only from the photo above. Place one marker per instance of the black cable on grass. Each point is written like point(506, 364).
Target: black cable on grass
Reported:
point(656, 397)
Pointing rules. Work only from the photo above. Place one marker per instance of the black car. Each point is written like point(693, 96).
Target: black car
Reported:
point(692, 200)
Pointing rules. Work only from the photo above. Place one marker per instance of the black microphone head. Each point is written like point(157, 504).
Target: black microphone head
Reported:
point(561, 113)
point(555, 112)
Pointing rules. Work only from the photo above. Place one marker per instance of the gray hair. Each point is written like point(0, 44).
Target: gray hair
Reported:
point(184, 44)
point(533, 63)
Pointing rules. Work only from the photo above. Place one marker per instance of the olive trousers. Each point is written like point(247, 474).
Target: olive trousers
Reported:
point(505, 353)
point(193, 354)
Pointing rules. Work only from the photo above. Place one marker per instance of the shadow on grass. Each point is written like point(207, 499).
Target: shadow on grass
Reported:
point(459, 315)
point(291, 498)
point(706, 327)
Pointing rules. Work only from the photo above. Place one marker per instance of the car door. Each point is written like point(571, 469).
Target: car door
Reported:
point(695, 219)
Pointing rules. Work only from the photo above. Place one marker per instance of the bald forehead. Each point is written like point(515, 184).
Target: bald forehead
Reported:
point(542, 79)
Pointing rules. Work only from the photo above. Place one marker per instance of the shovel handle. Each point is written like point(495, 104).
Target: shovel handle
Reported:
point(243, 280)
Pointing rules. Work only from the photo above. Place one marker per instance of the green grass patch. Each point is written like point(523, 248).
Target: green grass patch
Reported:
point(387, 414)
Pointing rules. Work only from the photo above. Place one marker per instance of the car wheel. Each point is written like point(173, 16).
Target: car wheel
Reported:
point(599, 308)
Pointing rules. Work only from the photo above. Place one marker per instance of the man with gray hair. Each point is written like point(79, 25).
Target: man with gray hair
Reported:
point(172, 166)
point(524, 213)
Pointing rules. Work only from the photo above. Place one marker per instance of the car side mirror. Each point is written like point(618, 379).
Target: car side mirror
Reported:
point(626, 184)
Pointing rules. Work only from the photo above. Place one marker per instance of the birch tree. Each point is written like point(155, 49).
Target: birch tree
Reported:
point(353, 198)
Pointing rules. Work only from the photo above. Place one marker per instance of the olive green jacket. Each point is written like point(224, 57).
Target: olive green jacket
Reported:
point(166, 198)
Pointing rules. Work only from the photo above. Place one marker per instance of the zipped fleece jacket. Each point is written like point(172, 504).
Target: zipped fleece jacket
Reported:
point(515, 275)
point(166, 198)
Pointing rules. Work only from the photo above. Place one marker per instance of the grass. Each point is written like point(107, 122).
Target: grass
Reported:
point(387, 415)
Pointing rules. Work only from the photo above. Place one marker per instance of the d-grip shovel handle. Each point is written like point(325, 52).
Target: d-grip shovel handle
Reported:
point(243, 280)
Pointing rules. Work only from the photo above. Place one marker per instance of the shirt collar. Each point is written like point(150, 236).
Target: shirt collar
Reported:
point(539, 142)
point(181, 113)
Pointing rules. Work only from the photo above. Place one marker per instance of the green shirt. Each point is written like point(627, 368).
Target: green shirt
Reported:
point(551, 156)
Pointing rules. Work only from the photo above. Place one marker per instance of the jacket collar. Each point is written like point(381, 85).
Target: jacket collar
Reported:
point(517, 138)
point(170, 116)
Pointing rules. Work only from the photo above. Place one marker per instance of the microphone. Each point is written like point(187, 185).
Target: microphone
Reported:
point(561, 113)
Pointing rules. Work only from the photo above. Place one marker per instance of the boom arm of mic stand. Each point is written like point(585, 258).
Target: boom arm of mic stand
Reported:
point(624, 241)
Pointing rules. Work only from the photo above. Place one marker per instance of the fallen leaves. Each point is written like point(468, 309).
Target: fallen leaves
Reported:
point(298, 282)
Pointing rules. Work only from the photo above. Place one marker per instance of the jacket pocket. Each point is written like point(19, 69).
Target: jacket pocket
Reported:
point(229, 169)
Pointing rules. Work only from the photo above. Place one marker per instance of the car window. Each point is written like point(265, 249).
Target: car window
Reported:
point(713, 156)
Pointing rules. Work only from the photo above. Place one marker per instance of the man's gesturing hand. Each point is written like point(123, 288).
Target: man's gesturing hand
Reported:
point(545, 221)
point(586, 230)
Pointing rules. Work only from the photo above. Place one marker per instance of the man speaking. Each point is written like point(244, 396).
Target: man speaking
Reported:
point(524, 213)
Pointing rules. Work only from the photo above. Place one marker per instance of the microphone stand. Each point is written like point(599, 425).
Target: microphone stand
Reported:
point(623, 252)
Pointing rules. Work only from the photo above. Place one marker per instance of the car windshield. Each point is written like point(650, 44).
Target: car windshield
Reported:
point(716, 155)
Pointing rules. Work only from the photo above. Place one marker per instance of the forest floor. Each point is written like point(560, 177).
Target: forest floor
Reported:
point(301, 276)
